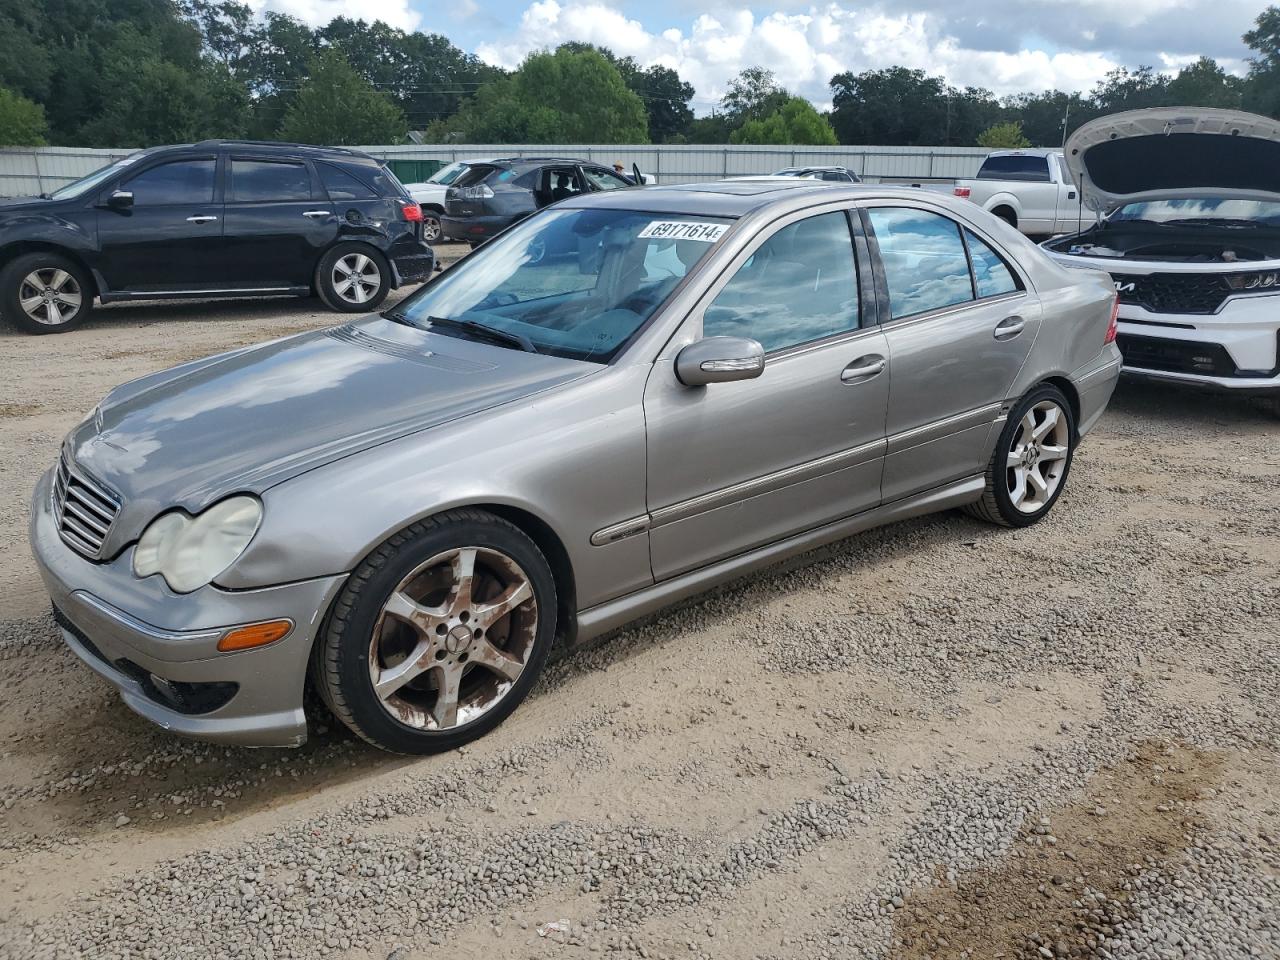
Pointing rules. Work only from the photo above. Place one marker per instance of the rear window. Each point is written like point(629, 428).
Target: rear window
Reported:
point(480, 173)
point(1015, 167)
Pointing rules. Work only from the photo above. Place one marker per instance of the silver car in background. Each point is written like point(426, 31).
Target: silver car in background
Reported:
point(689, 383)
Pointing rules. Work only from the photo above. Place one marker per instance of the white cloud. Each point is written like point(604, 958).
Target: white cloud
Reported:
point(804, 47)
point(317, 13)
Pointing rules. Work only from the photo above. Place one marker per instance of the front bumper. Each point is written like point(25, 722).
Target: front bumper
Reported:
point(159, 649)
point(1235, 349)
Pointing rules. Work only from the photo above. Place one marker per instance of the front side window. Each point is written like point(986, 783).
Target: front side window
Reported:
point(182, 181)
point(800, 285)
point(572, 283)
point(265, 181)
point(603, 179)
point(85, 184)
point(991, 275)
point(924, 260)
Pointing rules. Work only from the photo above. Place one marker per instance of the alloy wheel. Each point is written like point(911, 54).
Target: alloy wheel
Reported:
point(430, 228)
point(453, 638)
point(356, 278)
point(1037, 458)
point(50, 296)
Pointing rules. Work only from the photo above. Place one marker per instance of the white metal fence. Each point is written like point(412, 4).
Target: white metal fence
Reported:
point(25, 171)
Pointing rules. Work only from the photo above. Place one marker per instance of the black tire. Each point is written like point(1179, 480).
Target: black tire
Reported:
point(373, 281)
point(15, 286)
point(340, 663)
point(997, 504)
point(1007, 215)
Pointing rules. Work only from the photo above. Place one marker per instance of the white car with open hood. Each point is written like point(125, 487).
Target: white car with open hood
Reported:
point(1188, 207)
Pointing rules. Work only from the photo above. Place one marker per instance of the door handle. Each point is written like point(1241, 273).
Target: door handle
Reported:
point(1008, 328)
point(864, 368)
point(202, 218)
point(315, 213)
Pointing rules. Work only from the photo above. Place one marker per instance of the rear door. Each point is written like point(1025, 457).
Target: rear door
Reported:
point(171, 238)
point(733, 466)
point(278, 220)
point(959, 325)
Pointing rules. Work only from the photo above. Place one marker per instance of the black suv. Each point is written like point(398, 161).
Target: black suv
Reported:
point(220, 218)
point(494, 194)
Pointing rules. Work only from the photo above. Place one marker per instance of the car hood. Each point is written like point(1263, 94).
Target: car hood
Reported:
point(1174, 152)
point(19, 204)
point(247, 420)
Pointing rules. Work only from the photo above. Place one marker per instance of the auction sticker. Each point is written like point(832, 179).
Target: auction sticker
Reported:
point(684, 230)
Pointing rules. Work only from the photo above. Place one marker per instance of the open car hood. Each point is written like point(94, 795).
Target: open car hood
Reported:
point(1174, 152)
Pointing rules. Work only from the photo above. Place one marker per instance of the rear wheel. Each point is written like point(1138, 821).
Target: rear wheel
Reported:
point(1031, 461)
point(45, 293)
point(353, 278)
point(439, 634)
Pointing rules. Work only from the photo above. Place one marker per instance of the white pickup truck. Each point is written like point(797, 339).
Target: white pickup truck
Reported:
point(1031, 189)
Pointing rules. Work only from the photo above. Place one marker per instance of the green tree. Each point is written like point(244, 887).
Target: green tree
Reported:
point(894, 106)
point(22, 122)
point(1003, 136)
point(666, 97)
point(571, 95)
point(795, 122)
point(336, 106)
point(1261, 90)
point(1205, 84)
point(753, 94)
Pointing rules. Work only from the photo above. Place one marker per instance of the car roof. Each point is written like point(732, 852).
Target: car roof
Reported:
point(737, 198)
point(281, 146)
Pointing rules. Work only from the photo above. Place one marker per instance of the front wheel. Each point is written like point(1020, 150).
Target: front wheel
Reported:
point(353, 278)
point(431, 231)
point(45, 293)
point(1031, 461)
point(439, 634)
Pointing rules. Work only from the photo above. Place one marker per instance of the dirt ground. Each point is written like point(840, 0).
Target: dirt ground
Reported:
point(936, 740)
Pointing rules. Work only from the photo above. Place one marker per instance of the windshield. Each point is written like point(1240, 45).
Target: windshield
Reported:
point(572, 283)
point(446, 175)
point(1208, 210)
point(85, 184)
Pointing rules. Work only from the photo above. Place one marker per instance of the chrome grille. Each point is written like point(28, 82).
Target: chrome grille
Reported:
point(84, 511)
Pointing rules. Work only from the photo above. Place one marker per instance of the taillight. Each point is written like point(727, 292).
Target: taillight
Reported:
point(412, 212)
point(1115, 316)
point(962, 192)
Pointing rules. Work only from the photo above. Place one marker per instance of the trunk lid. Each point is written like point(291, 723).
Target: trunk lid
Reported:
point(1175, 152)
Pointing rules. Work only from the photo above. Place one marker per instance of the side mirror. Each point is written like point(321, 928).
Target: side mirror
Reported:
point(719, 360)
point(120, 200)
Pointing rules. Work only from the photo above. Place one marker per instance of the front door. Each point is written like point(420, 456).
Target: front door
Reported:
point(278, 221)
point(171, 237)
point(733, 466)
point(960, 326)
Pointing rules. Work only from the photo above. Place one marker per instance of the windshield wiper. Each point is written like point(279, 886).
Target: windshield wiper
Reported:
point(395, 316)
point(1213, 222)
point(482, 331)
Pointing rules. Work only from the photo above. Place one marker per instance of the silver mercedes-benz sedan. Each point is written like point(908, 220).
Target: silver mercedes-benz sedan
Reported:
point(619, 402)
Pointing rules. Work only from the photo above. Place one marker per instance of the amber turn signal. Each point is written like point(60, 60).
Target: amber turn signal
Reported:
point(255, 635)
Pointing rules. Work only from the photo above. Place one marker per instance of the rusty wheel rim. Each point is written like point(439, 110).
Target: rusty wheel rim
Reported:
point(453, 638)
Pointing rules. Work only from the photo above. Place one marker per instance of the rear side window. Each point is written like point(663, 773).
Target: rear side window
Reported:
point(182, 181)
point(341, 185)
point(924, 260)
point(800, 285)
point(1015, 167)
point(269, 180)
point(991, 275)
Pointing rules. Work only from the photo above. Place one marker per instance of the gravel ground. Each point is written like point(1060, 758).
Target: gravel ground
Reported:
point(934, 740)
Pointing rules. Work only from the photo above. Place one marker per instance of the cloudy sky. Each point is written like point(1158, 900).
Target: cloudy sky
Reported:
point(1005, 45)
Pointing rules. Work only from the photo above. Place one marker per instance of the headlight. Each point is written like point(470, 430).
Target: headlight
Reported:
point(190, 551)
point(1267, 280)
